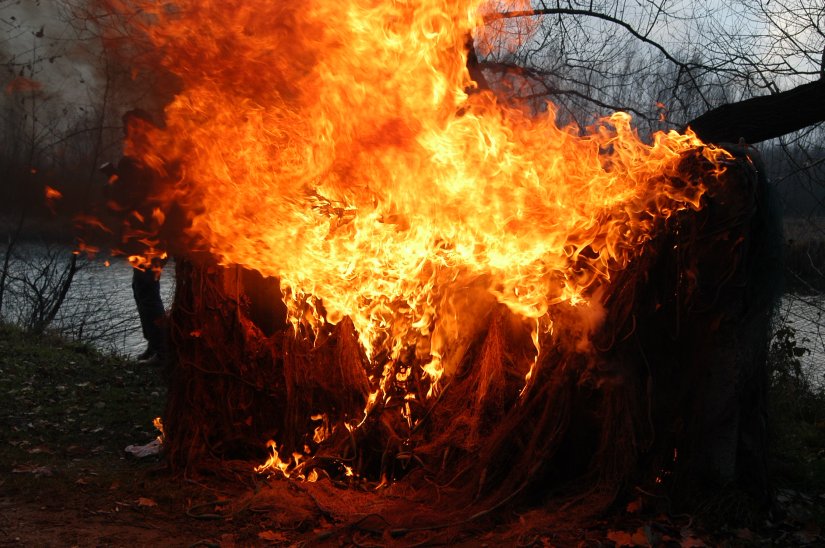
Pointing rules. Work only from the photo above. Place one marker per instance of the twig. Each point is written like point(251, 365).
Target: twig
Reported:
point(207, 516)
point(324, 511)
point(205, 542)
point(403, 531)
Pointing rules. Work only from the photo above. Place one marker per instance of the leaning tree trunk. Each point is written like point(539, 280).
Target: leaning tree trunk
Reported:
point(671, 391)
point(761, 118)
point(239, 377)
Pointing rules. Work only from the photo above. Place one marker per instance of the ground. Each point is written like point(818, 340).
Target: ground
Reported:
point(69, 412)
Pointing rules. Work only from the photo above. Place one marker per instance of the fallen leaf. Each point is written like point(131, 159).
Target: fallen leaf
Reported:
point(143, 501)
point(621, 538)
point(634, 506)
point(813, 527)
point(643, 536)
point(33, 469)
point(689, 541)
point(744, 534)
point(806, 538)
point(785, 495)
point(272, 536)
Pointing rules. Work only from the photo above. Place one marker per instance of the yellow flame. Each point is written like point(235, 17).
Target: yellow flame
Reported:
point(335, 145)
point(157, 422)
point(274, 461)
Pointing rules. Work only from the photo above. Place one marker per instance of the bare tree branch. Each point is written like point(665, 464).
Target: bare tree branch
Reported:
point(590, 13)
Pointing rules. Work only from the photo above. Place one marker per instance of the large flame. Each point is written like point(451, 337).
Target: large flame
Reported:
point(343, 147)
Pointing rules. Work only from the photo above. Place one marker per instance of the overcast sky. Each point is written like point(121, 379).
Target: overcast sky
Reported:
point(35, 34)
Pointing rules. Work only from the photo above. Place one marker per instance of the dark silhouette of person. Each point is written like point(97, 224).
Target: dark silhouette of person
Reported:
point(146, 290)
point(133, 191)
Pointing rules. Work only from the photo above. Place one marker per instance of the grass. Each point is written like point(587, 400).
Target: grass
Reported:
point(65, 398)
point(69, 412)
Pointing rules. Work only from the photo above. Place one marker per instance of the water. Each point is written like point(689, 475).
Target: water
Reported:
point(805, 314)
point(99, 307)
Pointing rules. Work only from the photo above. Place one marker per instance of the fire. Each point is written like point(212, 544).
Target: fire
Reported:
point(343, 147)
point(157, 422)
point(287, 468)
point(52, 193)
point(52, 196)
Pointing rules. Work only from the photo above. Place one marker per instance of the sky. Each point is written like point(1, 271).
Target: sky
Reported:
point(36, 43)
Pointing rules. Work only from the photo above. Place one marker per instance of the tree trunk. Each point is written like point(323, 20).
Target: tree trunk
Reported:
point(762, 118)
point(671, 392)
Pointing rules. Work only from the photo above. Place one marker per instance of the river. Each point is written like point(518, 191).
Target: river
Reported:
point(100, 308)
point(804, 314)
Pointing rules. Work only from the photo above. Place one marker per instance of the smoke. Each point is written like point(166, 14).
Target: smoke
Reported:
point(48, 46)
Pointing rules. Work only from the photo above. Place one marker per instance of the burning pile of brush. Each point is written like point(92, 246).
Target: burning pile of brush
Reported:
point(393, 273)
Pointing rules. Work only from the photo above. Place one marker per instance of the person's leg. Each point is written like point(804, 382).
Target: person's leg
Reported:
point(146, 289)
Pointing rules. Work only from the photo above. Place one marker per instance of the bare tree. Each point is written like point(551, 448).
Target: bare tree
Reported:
point(747, 70)
point(687, 58)
point(40, 284)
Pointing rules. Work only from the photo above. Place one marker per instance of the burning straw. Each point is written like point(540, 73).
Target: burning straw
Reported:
point(470, 292)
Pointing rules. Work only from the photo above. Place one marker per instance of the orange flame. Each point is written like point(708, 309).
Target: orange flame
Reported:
point(52, 193)
point(157, 422)
point(20, 84)
point(52, 196)
point(335, 145)
point(287, 468)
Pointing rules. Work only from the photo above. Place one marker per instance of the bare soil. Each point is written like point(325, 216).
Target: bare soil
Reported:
point(67, 414)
